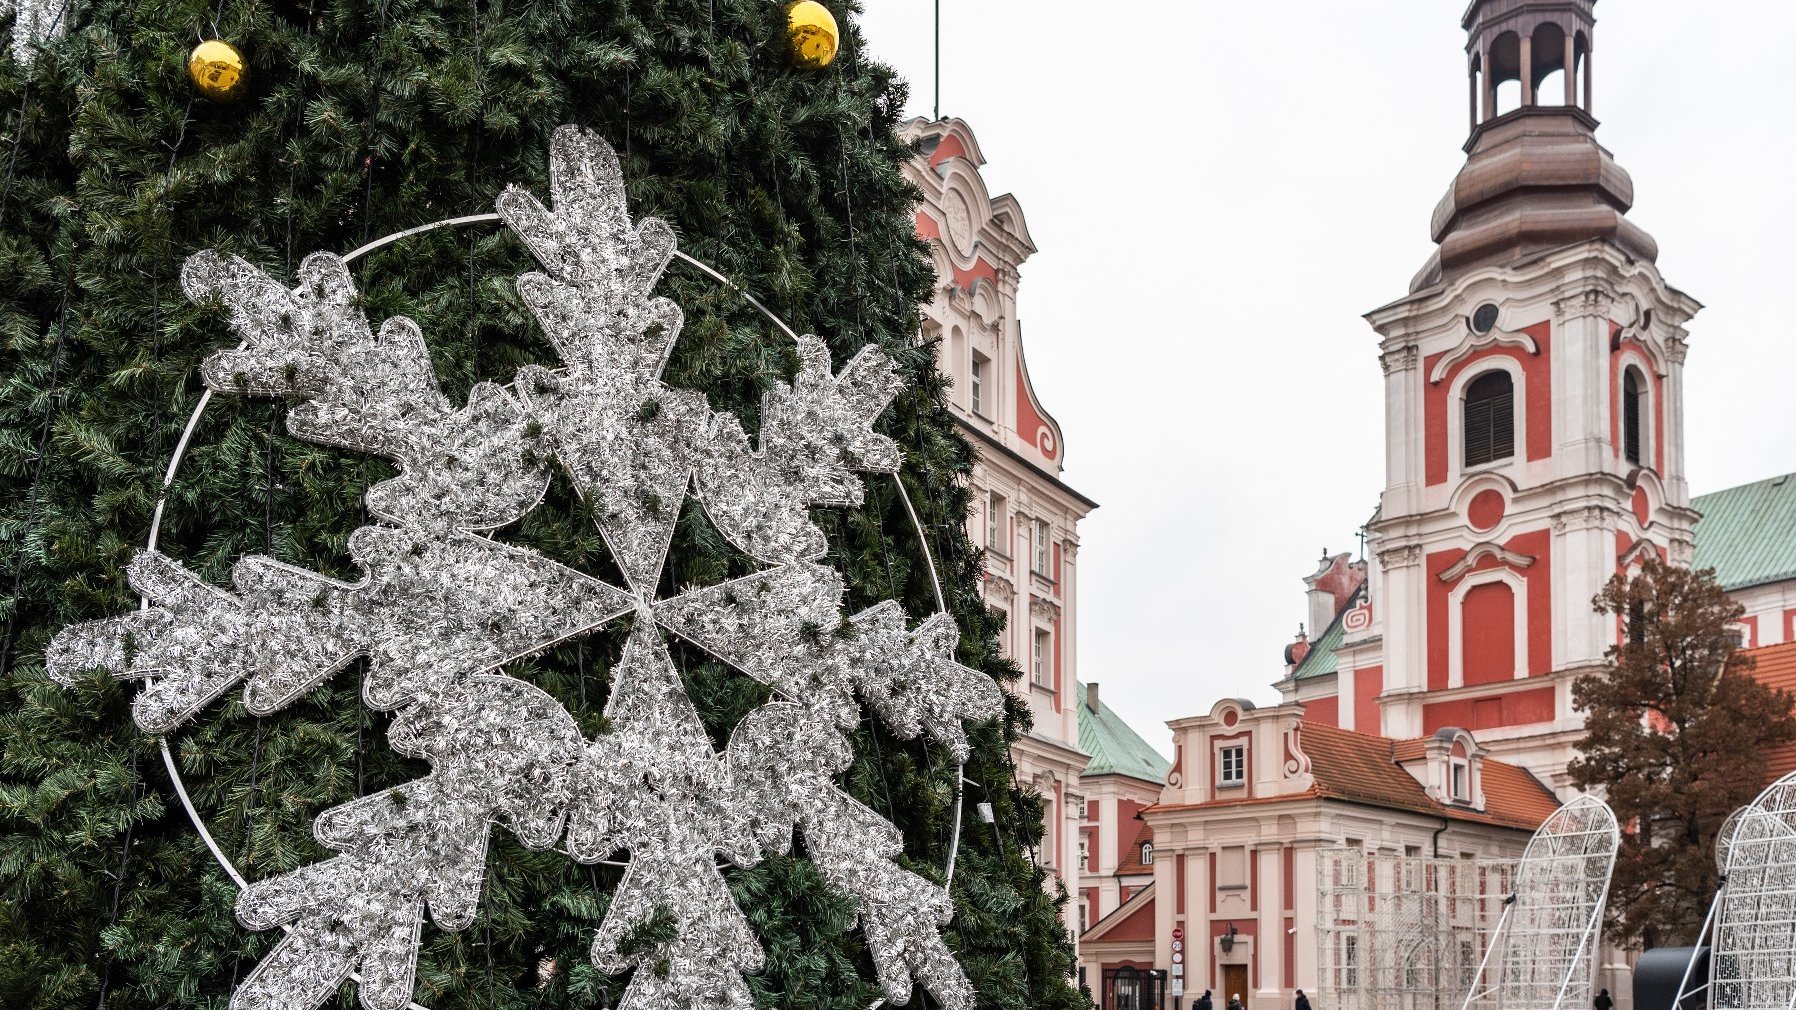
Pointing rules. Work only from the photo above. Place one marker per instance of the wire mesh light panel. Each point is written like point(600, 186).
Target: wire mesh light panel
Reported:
point(1545, 953)
point(1403, 932)
point(1753, 957)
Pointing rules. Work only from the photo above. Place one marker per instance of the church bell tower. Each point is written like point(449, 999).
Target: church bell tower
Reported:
point(1533, 407)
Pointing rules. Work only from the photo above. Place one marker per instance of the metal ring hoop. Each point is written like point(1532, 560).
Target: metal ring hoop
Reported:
point(199, 409)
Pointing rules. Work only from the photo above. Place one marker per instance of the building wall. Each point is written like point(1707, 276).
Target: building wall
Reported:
point(1111, 829)
point(1516, 548)
point(1023, 516)
point(1240, 860)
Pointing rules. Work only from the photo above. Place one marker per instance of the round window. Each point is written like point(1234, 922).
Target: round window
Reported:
point(1485, 317)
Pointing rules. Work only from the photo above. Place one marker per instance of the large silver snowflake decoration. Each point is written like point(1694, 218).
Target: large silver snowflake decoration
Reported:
point(442, 608)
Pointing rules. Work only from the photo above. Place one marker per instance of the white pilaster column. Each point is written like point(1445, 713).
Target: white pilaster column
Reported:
point(1580, 377)
point(1198, 952)
point(1402, 431)
point(1308, 916)
point(1271, 937)
point(1677, 486)
point(1583, 561)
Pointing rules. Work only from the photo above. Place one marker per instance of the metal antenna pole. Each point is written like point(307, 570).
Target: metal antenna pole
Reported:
point(938, 60)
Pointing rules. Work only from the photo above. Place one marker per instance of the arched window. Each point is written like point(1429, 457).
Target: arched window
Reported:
point(1147, 853)
point(1489, 418)
point(1632, 398)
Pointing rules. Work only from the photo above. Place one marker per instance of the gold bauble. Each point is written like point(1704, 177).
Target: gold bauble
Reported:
point(219, 70)
point(811, 34)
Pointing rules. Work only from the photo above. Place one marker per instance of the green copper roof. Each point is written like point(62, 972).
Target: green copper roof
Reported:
point(1748, 533)
point(1115, 749)
point(1321, 660)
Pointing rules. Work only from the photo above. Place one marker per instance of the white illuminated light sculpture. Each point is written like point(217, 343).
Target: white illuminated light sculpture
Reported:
point(442, 608)
point(1723, 842)
point(1542, 955)
point(1752, 954)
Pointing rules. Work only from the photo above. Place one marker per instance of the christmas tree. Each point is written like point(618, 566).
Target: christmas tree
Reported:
point(357, 120)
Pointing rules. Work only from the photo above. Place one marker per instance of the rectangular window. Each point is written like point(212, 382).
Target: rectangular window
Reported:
point(994, 523)
point(1461, 789)
point(976, 384)
point(1489, 418)
point(1630, 417)
point(1041, 546)
point(1041, 669)
point(1234, 766)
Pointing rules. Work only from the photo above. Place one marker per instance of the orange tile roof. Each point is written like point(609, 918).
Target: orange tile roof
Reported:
point(1362, 768)
point(1777, 668)
point(1131, 860)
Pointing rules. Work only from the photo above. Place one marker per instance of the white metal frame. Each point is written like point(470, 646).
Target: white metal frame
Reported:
point(1752, 956)
point(1544, 952)
point(1398, 932)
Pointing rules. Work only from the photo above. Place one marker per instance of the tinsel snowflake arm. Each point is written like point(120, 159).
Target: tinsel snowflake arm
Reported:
point(627, 440)
point(500, 750)
point(814, 433)
point(594, 301)
point(784, 753)
point(784, 628)
point(472, 469)
point(285, 631)
point(912, 678)
point(445, 608)
point(654, 785)
point(35, 23)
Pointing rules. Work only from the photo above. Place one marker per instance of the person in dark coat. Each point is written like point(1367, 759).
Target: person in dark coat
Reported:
point(1303, 1002)
point(1203, 1002)
point(1603, 1002)
point(1235, 1003)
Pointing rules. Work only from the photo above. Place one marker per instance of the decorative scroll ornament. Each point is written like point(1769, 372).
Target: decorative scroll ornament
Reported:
point(442, 607)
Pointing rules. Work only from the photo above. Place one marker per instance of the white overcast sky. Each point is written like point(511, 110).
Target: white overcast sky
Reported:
point(1220, 189)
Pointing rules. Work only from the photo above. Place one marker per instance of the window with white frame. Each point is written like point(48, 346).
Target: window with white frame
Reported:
point(1040, 536)
point(1147, 853)
point(1633, 401)
point(976, 383)
point(994, 523)
point(1232, 762)
point(1459, 780)
point(1489, 428)
point(1041, 658)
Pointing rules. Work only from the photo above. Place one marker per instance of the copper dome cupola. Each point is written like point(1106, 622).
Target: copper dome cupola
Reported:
point(1535, 177)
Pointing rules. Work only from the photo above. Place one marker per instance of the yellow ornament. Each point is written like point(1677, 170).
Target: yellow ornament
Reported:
point(219, 70)
point(812, 34)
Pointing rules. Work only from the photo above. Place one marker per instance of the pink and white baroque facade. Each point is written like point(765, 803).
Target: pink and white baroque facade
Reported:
point(1024, 516)
point(1532, 381)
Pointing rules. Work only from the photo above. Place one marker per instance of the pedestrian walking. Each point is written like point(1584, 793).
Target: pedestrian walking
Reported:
point(1303, 1002)
point(1602, 1001)
point(1235, 1003)
point(1203, 1002)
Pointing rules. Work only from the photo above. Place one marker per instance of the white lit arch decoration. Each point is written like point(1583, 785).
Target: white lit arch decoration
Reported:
point(442, 608)
point(1543, 953)
point(1752, 956)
